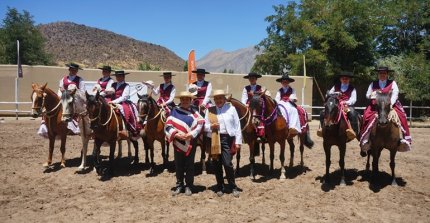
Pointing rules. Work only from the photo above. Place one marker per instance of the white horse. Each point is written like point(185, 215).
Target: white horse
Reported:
point(74, 106)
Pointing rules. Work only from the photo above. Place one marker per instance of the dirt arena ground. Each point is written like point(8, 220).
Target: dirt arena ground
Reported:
point(29, 193)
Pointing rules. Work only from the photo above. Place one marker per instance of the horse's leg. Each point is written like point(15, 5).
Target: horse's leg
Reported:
point(282, 158)
point(376, 152)
point(368, 163)
point(393, 165)
point(51, 151)
point(119, 149)
point(85, 140)
point(63, 150)
point(252, 158)
point(112, 146)
point(146, 151)
point(150, 147)
point(302, 149)
point(165, 156)
point(327, 163)
point(263, 148)
point(129, 147)
point(236, 172)
point(292, 147)
point(166, 145)
point(96, 152)
point(203, 153)
point(136, 151)
point(272, 156)
point(342, 151)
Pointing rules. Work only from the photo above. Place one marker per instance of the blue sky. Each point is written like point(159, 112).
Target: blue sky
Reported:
point(178, 25)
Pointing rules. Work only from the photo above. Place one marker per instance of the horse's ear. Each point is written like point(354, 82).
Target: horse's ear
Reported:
point(229, 97)
point(34, 86)
point(87, 95)
point(139, 96)
point(97, 95)
point(150, 95)
point(44, 86)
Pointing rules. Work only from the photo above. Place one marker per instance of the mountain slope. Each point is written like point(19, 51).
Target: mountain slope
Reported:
point(92, 47)
point(240, 61)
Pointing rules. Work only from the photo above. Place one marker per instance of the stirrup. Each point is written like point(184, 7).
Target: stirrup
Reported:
point(350, 135)
point(320, 133)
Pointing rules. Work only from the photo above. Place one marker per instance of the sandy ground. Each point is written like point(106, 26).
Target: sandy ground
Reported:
point(29, 193)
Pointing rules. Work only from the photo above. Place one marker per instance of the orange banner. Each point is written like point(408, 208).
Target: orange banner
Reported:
point(191, 66)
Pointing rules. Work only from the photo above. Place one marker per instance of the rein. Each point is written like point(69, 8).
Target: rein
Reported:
point(46, 113)
point(98, 116)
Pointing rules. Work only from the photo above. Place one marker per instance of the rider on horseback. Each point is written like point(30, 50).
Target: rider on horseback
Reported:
point(105, 82)
point(347, 99)
point(121, 98)
point(202, 89)
point(166, 90)
point(384, 85)
point(288, 109)
point(247, 94)
point(71, 78)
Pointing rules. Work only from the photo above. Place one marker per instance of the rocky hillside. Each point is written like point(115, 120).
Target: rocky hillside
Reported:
point(240, 61)
point(92, 47)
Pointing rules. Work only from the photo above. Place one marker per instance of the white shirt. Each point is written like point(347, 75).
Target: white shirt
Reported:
point(382, 84)
point(208, 91)
point(69, 78)
point(343, 87)
point(108, 85)
point(125, 94)
point(229, 122)
point(245, 93)
point(284, 89)
point(156, 91)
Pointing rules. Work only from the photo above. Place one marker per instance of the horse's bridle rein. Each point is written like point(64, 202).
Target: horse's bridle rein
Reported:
point(99, 114)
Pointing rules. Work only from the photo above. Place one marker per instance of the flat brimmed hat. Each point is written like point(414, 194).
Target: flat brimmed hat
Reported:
point(73, 66)
point(252, 74)
point(285, 77)
point(200, 71)
point(185, 94)
point(119, 72)
point(149, 83)
point(167, 74)
point(218, 92)
point(106, 68)
point(383, 69)
point(346, 74)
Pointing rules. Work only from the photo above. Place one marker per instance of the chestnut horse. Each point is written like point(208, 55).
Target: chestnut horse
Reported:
point(153, 130)
point(46, 102)
point(276, 129)
point(334, 134)
point(385, 134)
point(74, 105)
point(107, 125)
point(248, 132)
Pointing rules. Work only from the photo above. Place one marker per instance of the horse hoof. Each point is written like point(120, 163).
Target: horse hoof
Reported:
point(63, 165)
point(394, 183)
point(46, 165)
point(282, 177)
point(342, 183)
point(80, 168)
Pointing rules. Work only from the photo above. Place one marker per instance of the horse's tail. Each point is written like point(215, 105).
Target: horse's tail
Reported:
point(308, 142)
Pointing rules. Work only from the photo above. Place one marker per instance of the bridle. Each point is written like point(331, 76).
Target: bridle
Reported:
point(43, 106)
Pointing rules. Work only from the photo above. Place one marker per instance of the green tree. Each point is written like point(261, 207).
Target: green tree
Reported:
point(186, 65)
point(145, 66)
point(20, 26)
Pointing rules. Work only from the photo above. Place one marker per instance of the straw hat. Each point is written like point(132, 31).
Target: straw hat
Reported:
point(149, 83)
point(218, 92)
point(185, 94)
point(193, 89)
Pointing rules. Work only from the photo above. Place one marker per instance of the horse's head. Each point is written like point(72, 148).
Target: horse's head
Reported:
point(38, 99)
point(331, 109)
point(94, 109)
point(383, 106)
point(144, 105)
point(67, 101)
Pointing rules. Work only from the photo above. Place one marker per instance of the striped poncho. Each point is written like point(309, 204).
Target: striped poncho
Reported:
point(184, 121)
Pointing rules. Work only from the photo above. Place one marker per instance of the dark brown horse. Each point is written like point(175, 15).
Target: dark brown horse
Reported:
point(385, 134)
point(249, 134)
point(107, 126)
point(153, 130)
point(45, 99)
point(267, 111)
point(334, 134)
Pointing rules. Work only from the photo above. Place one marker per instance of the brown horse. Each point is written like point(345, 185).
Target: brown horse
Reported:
point(45, 99)
point(248, 132)
point(334, 134)
point(385, 134)
point(153, 115)
point(107, 126)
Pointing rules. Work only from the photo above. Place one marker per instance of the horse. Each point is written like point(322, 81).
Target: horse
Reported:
point(248, 132)
point(46, 102)
point(108, 126)
point(384, 134)
point(153, 130)
point(334, 133)
point(74, 105)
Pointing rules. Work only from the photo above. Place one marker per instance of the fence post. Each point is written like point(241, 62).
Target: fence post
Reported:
point(410, 113)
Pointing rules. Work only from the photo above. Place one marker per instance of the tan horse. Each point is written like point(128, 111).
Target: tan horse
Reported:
point(46, 102)
point(153, 129)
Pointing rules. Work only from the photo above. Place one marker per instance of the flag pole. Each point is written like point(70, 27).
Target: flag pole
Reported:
point(304, 80)
point(16, 80)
